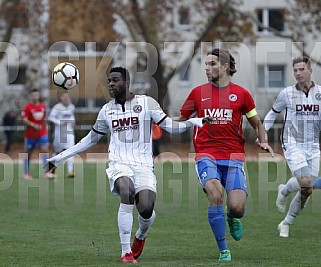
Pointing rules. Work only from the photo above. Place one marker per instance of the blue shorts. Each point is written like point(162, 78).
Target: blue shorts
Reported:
point(229, 172)
point(30, 143)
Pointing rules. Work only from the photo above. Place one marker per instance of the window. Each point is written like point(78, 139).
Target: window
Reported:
point(184, 18)
point(273, 18)
point(271, 76)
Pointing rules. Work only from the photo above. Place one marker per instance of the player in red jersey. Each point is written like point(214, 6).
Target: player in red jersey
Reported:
point(33, 115)
point(219, 146)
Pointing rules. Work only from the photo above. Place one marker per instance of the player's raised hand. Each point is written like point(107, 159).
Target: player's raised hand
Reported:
point(49, 167)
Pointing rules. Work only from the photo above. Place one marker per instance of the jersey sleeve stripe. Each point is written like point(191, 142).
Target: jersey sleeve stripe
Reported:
point(275, 110)
point(98, 131)
point(158, 123)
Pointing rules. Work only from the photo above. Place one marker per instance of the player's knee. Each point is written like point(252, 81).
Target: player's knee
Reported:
point(44, 149)
point(214, 198)
point(237, 211)
point(306, 185)
point(214, 192)
point(126, 197)
point(145, 208)
point(127, 194)
point(306, 191)
point(146, 212)
point(305, 181)
point(145, 203)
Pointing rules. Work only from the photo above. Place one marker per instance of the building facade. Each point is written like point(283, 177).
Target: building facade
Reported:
point(91, 43)
point(264, 68)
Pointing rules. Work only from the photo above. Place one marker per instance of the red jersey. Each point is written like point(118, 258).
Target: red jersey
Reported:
point(223, 138)
point(35, 114)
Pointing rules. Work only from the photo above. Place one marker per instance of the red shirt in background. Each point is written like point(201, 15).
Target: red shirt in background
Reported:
point(35, 114)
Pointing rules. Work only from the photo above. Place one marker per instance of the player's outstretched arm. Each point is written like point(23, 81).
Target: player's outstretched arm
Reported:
point(179, 127)
point(269, 119)
point(84, 144)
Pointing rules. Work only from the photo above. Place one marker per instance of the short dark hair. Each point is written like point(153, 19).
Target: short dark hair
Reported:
point(224, 57)
point(124, 72)
point(34, 90)
point(304, 59)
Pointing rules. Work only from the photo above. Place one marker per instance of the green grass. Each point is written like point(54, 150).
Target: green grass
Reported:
point(66, 222)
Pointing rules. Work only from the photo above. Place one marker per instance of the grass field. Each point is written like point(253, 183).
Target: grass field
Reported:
point(66, 222)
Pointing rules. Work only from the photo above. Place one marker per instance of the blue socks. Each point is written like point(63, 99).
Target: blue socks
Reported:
point(216, 220)
point(26, 165)
point(317, 183)
point(44, 159)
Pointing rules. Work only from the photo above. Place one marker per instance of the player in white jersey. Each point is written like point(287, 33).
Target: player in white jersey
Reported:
point(62, 116)
point(129, 119)
point(300, 139)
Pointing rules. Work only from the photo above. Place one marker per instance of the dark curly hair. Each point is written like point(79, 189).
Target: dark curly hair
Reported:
point(124, 72)
point(224, 57)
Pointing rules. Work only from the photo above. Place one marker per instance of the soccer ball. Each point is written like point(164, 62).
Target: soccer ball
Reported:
point(65, 75)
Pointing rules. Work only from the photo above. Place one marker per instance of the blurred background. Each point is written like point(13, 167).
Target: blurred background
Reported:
point(162, 43)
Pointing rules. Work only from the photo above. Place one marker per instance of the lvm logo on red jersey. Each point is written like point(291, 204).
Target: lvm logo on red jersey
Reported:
point(218, 113)
point(123, 124)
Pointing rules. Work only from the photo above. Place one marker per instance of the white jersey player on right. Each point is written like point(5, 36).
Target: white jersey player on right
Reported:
point(62, 115)
point(300, 139)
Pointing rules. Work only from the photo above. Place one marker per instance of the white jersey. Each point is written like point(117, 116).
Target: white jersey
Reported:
point(63, 118)
point(302, 116)
point(130, 126)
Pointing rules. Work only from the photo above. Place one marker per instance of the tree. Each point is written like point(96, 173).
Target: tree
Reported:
point(11, 15)
point(44, 22)
point(81, 21)
point(37, 44)
point(304, 17)
point(303, 23)
point(32, 16)
point(149, 21)
point(153, 22)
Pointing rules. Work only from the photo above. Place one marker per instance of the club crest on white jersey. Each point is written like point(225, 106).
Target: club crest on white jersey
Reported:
point(130, 127)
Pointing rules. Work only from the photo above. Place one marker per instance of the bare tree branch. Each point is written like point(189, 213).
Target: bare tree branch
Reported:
point(279, 34)
point(140, 22)
point(214, 18)
point(8, 33)
point(129, 27)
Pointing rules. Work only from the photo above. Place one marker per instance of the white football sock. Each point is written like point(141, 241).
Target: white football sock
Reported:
point(291, 186)
point(125, 224)
point(144, 225)
point(298, 203)
point(70, 165)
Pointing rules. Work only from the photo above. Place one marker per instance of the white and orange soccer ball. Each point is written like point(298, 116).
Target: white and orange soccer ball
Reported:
point(65, 75)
